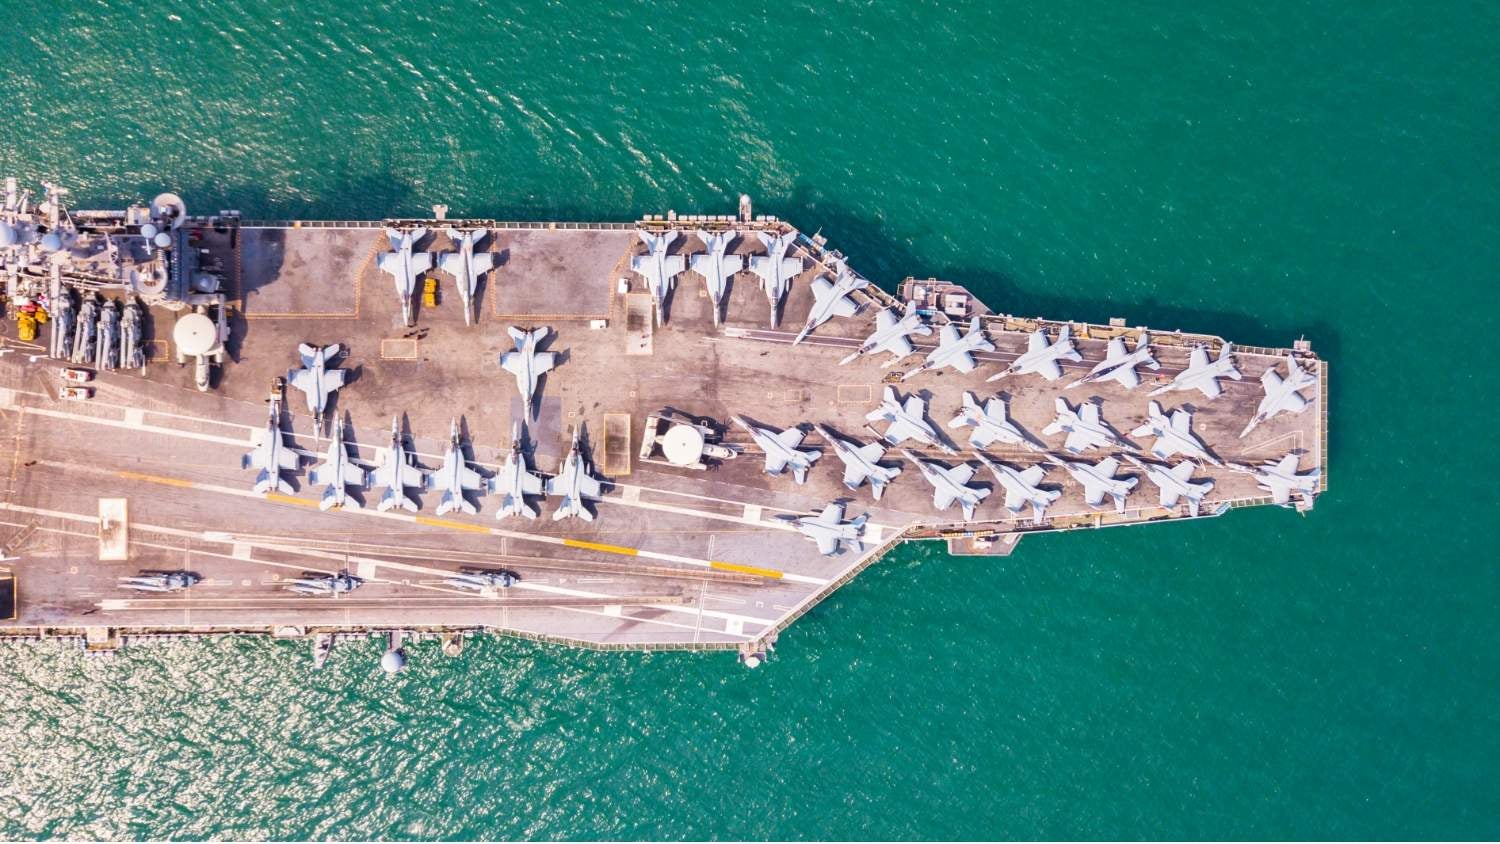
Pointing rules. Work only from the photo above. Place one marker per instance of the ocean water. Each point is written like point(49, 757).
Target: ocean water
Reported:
point(1262, 170)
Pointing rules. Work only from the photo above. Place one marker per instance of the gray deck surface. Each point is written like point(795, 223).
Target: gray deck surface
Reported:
point(677, 557)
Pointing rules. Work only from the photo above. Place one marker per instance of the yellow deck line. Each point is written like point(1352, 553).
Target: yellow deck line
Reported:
point(449, 523)
point(156, 479)
point(287, 499)
point(600, 546)
point(736, 567)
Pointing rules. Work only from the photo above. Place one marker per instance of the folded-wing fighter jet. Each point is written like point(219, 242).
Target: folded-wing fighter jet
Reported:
point(337, 473)
point(781, 449)
point(658, 268)
point(467, 266)
point(1175, 482)
point(991, 423)
point(107, 355)
point(454, 478)
point(1085, 426)
point(316, 380)
point(1280, 478)
point(398, 473)
point(1202, 374)
point(515, 481)
point(831, 299)
point(527, 364)
point(861, 462)
point(955, 350)
point(574, 484)
point(132, 345)
point(1042, 356)
point(716, 266)
point(775, 269)
point(829, 530)
point(1098, 480)
point(160, 581)
point(950, 484)
point(325, 584)
point(892, 334)
point(1281, 393)
point(908, 420)
point(1021, 488)
point(272, 456)
point(481, 580)
point(1174, 434)
point(405, 265)
point(1119, 365)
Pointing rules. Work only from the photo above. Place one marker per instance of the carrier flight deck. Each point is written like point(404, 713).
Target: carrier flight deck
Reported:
point(679, 432)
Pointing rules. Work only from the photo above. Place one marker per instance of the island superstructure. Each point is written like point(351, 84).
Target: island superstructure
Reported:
point(610, 435)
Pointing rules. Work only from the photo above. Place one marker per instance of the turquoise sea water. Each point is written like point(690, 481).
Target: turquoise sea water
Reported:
point(1261, 170)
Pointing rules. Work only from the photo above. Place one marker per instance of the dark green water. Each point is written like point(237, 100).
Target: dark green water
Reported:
point(1263, 171)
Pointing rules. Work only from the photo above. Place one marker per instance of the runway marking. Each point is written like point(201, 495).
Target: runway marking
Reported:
point(736, 567)
point(620, 600)
point(432, 521)
point(446, 523)
point(155, 479)
point(288, 499)
point(600, 546)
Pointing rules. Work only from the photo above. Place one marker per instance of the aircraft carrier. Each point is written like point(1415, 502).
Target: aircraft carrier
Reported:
point(125, 457)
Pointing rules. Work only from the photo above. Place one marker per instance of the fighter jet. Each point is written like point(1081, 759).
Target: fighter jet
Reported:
point(1202, 374)
point(108, 356)
point(1174, 434)
point(829, 530)
point(892, 334)
point(1041, 356)
point(316, 381)
point(1281, 395)
point(991, 423)
point(455, 477)
point(405, 265)
point(398, 472)
point(861, 462)
point(528, 364)
point(574, 484)
point(86, 331)
point(658, 268)
point(1280, 478)
point(325, 584)
point(1021, 488)
point(480, 580)
point(781, 449)
point(160, 581)
point(272, 456)
point(908, 420)
point(1119, 365)
point(1098, 480)
point(515, 482)
point(1175, 482)
point(64, 319)
point(715, 266)
point(1086, 428)
point(132, 350)
point(950, 485)
point(956, 351)
point(337, 473)
point(467, 266)
point(776, 271)
point(831, 299)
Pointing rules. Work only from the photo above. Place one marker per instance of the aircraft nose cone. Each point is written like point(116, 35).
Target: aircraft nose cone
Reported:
point(393, 662)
